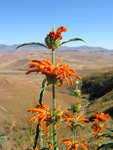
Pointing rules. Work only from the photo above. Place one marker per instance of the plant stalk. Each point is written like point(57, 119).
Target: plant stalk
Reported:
point(75, 130)
point(54, 106)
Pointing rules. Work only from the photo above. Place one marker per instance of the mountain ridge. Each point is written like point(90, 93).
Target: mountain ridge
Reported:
point(34, 48)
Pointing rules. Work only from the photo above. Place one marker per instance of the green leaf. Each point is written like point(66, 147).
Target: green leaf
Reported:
point(105, 135)
point(45, 148)
point(91, 139)
point(111, 130)
point(77, 122)
point(74, 39)
point(44, 86)
point(108, 145)
point(37, 135)
point(31, 43)
point(43, 82)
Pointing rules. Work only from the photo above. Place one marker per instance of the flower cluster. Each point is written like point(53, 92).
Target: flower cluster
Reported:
point(74, 145)
point(99, 123)
point(52, 39)
point(58, 33)
point(45, 115)
point(54, 75)
point(69, 117)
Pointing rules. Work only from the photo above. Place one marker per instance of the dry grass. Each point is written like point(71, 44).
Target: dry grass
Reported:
point(19, 92)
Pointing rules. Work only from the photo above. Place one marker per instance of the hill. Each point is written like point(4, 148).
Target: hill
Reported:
point(16, 97)
point(98, 84)
point(35, 48)
point(96, 91)
point(15, 63)
point(97, 87)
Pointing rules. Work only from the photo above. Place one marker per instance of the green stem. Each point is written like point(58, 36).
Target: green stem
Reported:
point(75, 129)
point(54, 105)
point(53, 88)
point(75, 132)
point(53, 57)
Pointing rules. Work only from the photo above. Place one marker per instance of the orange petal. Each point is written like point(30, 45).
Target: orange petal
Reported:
point(47, 107)
point(67, 81)
point(35, 70)
point(70, 80)
point(32, 118)
point(59, 62)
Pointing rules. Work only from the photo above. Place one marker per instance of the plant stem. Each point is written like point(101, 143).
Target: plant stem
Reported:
point(53, 56)
point(75, 135)
point(54, 105)
point(75, 129)
point(53, 88)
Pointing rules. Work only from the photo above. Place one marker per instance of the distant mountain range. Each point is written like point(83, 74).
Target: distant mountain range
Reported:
point(35, 48)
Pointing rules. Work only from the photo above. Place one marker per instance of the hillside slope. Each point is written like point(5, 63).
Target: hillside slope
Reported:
point(98, 84)
point(16, 97)
point(99, 88)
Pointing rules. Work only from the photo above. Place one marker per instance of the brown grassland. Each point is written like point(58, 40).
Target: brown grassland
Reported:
point(19, 92)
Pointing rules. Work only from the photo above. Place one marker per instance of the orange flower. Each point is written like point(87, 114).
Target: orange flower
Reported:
point(99, 123)
point(52, 39)
point(24, 144)
point(71, 145)
point(45, 115)
point(54, 75)
point(68, 116)
point(98, 127)
point(13, 125)
point(99, 134)
point(100, 117)
point(58, 33)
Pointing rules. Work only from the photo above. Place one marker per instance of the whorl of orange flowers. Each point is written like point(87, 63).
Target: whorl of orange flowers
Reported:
point(58, 33)
point(99, 123)
point(71, 145)
point(98, 127)
point(68, 116)
point(54, 75)
point(45, 115)
point(101, 117)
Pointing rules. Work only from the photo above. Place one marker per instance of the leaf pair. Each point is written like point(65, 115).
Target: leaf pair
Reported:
point(37, 43)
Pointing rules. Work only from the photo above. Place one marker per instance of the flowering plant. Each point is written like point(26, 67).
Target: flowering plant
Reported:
point(52, 39)
point(54, 76)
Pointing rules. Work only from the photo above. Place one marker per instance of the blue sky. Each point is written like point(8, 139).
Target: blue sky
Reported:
point(24, 21)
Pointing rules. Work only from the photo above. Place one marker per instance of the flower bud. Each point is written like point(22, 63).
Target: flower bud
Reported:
point(76, 107)
point(77, 92)
point(51, 42)
point(58, 114)
point(100, 125)
point(77, 82)
point(99, 134)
